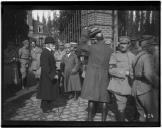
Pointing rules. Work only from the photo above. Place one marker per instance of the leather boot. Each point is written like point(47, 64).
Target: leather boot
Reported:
point(90, 110)
point(121, 116)
point(104, 111)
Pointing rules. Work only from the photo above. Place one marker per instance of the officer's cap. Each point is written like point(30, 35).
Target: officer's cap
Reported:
point(25, 42)
point(135, 38)
point(148, 40)
point(67, 45)
point(60, 44)
point(124, 39)
point(73, 44)
point(49, 40)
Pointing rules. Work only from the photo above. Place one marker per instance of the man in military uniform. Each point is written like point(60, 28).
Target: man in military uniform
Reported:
point(121, 73)
point(24, 55)
point(146, 81)
point(35, 56)
point(58, 54)
point(134, 44)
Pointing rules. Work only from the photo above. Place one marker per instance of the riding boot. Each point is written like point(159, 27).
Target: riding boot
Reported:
point(90, 110)
point(104, 111)
point(121, 115)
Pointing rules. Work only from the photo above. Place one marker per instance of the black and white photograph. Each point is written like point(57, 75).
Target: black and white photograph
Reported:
point(80, 63)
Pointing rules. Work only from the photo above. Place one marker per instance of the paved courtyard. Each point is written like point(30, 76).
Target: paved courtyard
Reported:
point(73, 110)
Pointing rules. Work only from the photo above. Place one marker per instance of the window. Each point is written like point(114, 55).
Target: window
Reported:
point(40, 29)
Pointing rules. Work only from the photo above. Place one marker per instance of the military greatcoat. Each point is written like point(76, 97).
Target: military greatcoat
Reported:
point(96, 77)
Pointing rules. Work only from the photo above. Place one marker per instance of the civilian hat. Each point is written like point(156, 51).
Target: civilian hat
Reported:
point(93, 32)
point(49, 40)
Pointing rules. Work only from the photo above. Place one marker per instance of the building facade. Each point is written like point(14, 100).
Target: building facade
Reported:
point(38, 31)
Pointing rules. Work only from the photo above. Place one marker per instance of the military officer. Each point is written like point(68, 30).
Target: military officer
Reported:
point(121, 73)
point(35, 56)
point(59, 54)
point(146, 80)
point(24, 55)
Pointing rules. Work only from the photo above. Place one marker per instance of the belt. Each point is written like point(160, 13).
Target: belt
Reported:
point(142, 79)
point(25, 58)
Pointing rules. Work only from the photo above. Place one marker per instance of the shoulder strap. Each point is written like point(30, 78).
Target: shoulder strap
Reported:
point(138, 60)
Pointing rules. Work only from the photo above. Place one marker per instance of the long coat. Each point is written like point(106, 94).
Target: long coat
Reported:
point(48, 89)
point(71, 79)
point(10, 68)
point(96, 78)
point(144, 73)
point(120, 63)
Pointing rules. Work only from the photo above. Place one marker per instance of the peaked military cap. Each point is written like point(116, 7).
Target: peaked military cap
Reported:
point(124, 39)
point(60, 44)
point(25, 42)
point(148, 40)
point(67, 45)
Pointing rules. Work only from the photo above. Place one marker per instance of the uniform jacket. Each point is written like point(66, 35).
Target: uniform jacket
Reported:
point(58, 56)
point(71, 79)
point(96, 77)
point(24, 57)
point(120, 63)
point(145, 76)
point(35, 54)
point(48, 89)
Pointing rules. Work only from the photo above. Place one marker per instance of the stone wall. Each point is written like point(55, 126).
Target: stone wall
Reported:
point(102, 19)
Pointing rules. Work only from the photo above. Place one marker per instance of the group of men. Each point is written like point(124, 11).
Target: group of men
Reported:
point(120, 73)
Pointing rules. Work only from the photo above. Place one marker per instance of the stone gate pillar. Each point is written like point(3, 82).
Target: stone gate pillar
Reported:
point(102, 19)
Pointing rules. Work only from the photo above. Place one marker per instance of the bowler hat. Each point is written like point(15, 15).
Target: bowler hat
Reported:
point(49, 40)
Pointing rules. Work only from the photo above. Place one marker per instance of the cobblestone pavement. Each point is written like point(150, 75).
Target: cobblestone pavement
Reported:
point(74, 110)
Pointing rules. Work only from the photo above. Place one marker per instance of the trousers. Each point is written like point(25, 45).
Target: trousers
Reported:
point(145, 105)
point(121, 101)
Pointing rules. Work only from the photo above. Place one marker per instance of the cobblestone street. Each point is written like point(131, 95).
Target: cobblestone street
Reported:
point(75, 110)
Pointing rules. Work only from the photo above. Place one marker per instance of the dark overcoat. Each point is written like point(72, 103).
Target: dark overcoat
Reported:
point(71, 79)
point(96, 79)
point(48, 88)
point(10, 68)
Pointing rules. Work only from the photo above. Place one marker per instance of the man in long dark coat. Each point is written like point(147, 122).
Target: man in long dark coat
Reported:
point(48, 90)
point(96, 78)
